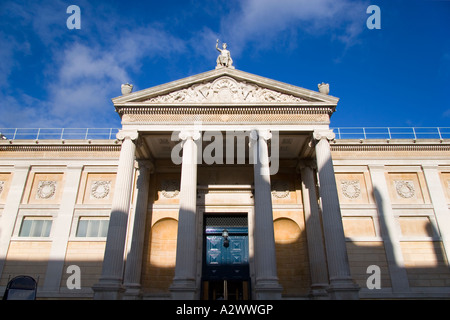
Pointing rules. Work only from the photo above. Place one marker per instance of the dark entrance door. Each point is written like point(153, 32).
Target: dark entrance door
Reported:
point(226, 272)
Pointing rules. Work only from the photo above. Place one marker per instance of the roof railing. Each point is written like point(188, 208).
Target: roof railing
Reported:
point(392, 133)
point(58, 133)
point(341, 133)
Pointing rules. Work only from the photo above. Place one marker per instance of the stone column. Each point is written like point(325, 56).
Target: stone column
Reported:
point(184, 284)
point(110, 283)
point(267, 286)
point(388, 229)
point(341, 283)
point(439, 203)
point(317, 258)
point(133, 266)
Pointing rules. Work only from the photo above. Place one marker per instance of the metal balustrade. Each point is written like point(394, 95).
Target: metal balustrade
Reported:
point(440, 133)
point(58, 133)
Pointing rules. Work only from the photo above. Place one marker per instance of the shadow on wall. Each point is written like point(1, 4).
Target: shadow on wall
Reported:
point(420, 264)
point(410, 257)
point(158, 265)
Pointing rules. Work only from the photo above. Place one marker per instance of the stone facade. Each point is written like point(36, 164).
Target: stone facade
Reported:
point(134, 221)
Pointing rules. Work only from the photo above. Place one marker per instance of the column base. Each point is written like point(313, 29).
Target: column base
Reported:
point(132, 291)
point(319, 292)
point(108, 290)
point(183, 289)
point(343, 289)
point(268, 290)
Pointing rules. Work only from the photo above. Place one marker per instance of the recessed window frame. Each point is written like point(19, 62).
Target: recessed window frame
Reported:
point(89, 213)
point(92, 227)
point(35, 227)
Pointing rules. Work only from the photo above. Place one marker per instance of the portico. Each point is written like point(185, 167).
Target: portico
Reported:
point(221, 137)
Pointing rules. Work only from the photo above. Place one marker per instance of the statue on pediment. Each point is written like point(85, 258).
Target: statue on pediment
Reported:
point(224, 59)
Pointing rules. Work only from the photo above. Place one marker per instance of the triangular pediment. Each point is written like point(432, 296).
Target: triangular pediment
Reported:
point(225, 87)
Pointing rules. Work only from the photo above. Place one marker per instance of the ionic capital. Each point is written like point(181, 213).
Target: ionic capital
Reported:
point(144, 164)
point(324, 134)
point(265, 134)
point(127, 134)
point(189, 134)
point(306, 164)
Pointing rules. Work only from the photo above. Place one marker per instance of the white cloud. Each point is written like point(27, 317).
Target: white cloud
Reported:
point(82, 62)
point(263, 20)
point(83, 69)
point(90, 75)
point(23, 109)
point(8, 49)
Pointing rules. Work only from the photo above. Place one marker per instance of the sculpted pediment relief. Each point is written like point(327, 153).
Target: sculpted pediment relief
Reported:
point(225, 90)
point(225, 86)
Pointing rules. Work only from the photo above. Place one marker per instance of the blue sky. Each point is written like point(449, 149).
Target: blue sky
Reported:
point(397, 76)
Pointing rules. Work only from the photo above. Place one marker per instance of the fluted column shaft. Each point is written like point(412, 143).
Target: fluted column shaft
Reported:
point(317, 259)
point(184, 283)
point(133, 265)
point(267, 286)
point(341, 283)
point(110, 283)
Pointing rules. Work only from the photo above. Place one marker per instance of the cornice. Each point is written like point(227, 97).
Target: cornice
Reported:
point(51, 147)
point(221, 109)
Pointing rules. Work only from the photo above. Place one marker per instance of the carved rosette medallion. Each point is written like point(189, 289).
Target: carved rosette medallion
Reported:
point(46, 189)
point(404, 188)
point(351, 189)
point(280, 189)
point(170, 189)
point(100, 189)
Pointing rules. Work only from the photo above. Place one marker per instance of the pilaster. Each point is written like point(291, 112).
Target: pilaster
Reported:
point(388, 228)
point(9, 215)
point(61, 229)
point(440, 206)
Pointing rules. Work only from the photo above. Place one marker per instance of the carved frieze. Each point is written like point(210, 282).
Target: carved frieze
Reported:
point(226, 115)
point(405, 188)
point(225, 90)
point(351, 188)
point(100, 189)
point(46, 189)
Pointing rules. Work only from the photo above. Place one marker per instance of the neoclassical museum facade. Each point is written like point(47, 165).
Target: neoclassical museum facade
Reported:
point(226, 185)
